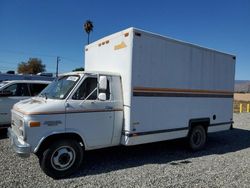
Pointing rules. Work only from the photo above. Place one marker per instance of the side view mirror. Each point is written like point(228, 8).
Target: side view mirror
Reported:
point(102, 96)
point(103, 83)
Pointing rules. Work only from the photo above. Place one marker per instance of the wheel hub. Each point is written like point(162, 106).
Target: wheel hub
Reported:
point(196, 138)
point(63, 158)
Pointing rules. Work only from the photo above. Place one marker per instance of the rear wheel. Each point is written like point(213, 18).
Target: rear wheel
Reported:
point(197, 138)
point(61, 159)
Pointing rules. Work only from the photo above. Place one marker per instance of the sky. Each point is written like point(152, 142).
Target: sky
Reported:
point(46, 29)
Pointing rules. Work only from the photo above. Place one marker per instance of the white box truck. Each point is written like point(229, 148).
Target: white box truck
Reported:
point(138, 88)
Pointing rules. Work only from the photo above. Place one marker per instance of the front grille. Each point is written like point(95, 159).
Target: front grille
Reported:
point(16, 123)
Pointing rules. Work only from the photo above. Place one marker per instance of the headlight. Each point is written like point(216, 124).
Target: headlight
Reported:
point(21, 123)
point(21, 129)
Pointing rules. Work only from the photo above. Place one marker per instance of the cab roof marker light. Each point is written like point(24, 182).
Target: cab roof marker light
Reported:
point(126, 34)
point(107, 41)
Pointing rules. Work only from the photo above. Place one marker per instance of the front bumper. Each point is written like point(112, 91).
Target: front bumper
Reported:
point(22, 149)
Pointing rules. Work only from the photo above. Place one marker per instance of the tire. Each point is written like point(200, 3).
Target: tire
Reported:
point(197, 138)
point(61, 159)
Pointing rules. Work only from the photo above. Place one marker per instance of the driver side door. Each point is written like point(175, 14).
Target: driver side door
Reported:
point(92, 118)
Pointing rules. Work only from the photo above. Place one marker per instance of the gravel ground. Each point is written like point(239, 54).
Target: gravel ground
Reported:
point(224, 163)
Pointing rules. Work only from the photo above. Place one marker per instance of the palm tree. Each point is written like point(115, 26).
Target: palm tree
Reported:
point(88, 27)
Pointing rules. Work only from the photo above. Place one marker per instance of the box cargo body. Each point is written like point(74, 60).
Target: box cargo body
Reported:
point(166, 84)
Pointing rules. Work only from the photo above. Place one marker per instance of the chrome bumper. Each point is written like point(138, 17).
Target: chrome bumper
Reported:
point(22, 149)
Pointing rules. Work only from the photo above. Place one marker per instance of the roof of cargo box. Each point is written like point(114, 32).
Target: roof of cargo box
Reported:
point(140, 31)
point(90, 72)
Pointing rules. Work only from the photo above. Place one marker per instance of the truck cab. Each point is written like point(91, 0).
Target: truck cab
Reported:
point(78, 111)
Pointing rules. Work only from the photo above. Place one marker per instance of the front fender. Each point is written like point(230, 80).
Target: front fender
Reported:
point(36, 147)
point(59, 135)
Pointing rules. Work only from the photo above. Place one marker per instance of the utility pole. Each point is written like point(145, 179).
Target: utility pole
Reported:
point(57, 61)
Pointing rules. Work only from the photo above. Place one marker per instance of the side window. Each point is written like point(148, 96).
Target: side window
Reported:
point(85, 89)
point(35, 89)
point(12, 88)
point(20, 89)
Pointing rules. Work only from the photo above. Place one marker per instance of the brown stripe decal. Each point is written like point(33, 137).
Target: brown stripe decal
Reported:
point(68, 112)
point(154, 132)
point(94, 110)
point(129, 134)
point(170, 92)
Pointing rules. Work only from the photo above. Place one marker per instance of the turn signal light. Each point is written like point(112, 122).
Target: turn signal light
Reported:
point(34, 124)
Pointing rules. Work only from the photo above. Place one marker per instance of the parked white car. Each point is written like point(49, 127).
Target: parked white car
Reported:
point(41, 76)
point(13, 91)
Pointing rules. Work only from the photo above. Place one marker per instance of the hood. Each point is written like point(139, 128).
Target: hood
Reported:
point(40, 106)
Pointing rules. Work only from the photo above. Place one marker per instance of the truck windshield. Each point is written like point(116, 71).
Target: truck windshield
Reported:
point(60, 87)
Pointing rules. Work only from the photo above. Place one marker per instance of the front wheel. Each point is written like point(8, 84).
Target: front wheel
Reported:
point(61, 159)
point(197, 138)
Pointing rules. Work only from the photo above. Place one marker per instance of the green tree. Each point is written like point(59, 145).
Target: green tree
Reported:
point(32, 66)
point(78, 69)
point(88, 27)
point(23, 68)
